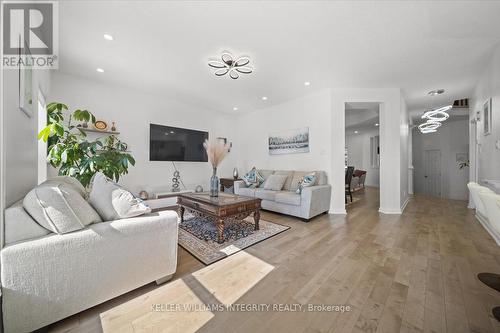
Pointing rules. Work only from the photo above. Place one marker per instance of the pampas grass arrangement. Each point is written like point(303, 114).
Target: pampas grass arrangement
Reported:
point(216, 151)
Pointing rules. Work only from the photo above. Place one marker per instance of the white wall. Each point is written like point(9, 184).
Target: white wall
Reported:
point(358, 155)
point(312, 111)
point(451, 138)
point(390, 138)
point(488, 155)
point(133, 111)
point(20, 136)
point(405, 161)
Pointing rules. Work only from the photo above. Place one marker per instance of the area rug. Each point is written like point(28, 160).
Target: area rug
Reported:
point(198, 236)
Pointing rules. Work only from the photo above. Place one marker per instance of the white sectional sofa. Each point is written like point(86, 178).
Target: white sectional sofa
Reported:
point(48, 276)
point(487, 205)
point(313, 200)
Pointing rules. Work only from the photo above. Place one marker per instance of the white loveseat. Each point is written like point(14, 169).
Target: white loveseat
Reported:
point(487, 205)
point(47, 276)
point(312, 201)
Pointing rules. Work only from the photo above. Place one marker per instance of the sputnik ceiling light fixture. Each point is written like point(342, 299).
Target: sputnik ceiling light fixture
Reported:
point(230, 65)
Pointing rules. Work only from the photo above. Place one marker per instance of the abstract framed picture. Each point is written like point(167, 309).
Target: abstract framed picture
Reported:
point(293, 141)
point(487, 117)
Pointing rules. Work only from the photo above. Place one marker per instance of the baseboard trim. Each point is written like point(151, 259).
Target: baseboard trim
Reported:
point(389, 212)
point(487, 226)
point(337, 212)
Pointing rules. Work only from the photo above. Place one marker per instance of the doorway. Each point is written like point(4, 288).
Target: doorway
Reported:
point(432, 173)
point(362, 154)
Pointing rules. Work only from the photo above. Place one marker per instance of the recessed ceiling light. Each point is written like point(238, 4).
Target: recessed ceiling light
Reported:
point(235, 109)
point(264, 98)
point(436, 92)
point(108, 37)
point(307, 83)
point(356, 132)
point(100, 70)
point(376, 124)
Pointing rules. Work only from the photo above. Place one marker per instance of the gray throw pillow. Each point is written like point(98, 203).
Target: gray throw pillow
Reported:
point(112, 201)
point(60, 208)
point(275, 182)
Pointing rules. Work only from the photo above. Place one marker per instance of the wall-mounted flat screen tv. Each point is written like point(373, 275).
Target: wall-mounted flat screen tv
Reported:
point(168, 143)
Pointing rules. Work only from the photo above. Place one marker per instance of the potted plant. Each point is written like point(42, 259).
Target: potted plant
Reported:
point(75, 156)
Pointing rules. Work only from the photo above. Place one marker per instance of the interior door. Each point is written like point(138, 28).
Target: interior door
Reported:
point(432, 173)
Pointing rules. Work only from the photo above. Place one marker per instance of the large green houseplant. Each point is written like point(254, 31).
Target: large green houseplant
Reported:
point(75, 156)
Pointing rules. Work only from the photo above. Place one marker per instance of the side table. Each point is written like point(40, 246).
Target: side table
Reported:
point(227, 183)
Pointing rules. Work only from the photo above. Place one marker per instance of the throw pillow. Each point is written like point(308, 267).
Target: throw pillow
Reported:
point(307, 181)
point(60, 208)
point(112, 201)
point(275, 182)
point(253, 178)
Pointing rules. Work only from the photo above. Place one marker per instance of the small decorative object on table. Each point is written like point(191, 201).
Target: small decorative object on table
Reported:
point(85, 125)
point(175, 181)
point(235, 173)
point(198, 189)
point(216, 150)
point(144, 195)
point(113, 127)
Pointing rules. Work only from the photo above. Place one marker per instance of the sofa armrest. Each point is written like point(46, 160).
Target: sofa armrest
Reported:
point(315, 200)
point(53, 277)
point(237, 185)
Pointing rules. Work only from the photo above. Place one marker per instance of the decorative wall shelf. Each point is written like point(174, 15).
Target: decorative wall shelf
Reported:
point(98, 131)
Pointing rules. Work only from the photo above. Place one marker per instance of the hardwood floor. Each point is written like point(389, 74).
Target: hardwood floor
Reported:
point(410, 273)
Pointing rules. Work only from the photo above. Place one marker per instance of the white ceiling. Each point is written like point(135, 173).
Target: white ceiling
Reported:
point(361, 117)
point(162, 47)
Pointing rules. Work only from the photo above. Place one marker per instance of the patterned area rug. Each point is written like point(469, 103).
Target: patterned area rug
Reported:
point(198, 236)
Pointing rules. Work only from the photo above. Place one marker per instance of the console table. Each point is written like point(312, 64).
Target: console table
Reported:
point(219, 209)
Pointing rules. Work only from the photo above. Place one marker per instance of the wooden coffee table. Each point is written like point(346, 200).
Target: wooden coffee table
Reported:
point(219, 209)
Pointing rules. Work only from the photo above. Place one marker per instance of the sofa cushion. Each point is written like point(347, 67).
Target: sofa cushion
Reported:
point(288, 198)
point(112, 201)
point(307, 181)
point(275, 182)
point(73, 182)
point(20, 226)
point(321, 178)
point(59, 208)
point(265, 194)
point(297, 179)
point(253, 178)
point(247, 191)
point(288, 183)
point(265, 173)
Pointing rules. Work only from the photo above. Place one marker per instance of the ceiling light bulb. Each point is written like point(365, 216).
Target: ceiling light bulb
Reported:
point(436, 92)
point(307, 83)
point(100, 70)
point(376, 124)
point(264, 98)
point(235, 109)
point(108, 37)
point(356, 132)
